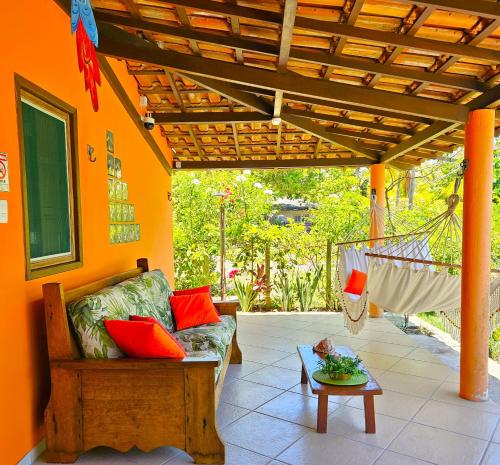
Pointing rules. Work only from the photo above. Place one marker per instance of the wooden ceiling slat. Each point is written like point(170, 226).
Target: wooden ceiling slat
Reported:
point(120, 44)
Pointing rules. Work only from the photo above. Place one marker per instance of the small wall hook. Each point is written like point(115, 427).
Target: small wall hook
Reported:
point(90, 154)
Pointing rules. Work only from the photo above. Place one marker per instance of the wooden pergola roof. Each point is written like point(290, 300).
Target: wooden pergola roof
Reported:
point(354, 82)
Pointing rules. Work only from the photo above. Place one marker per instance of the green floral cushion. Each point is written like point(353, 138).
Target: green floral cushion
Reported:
point(159, 291)
point(117, 302)
point(214, 338)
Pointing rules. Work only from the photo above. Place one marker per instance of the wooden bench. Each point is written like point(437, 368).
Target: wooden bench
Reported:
point(122, 403)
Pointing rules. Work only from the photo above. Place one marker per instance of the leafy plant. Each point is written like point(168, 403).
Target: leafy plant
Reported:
point(246, 293)
point(248, 290)
point(285, 291)
point(338, 366)
point(494, 344)
point(306, 284)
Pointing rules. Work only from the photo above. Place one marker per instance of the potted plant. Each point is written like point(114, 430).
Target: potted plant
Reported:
point(338, 366)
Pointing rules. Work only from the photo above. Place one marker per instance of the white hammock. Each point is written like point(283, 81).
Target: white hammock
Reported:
point(353, 306)
point(401, 289)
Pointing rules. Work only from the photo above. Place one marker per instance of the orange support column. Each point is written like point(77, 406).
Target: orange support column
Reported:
point(476, 254)
point(377, 184)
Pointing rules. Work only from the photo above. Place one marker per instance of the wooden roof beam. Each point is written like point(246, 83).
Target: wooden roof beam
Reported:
point(344, 30)
point(271, 164)
point(322, 58)
point(225, 117)
point(120, 44)
point(420, 138)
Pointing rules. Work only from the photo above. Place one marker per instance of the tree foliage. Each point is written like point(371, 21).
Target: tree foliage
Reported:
point(342, 204)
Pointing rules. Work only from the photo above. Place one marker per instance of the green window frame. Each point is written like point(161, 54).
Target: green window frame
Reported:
point(49, 173)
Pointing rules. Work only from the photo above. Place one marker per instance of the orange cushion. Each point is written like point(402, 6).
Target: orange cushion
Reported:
point(194, 290)
point(193, 310)
point(356, 282)
point(144, 339)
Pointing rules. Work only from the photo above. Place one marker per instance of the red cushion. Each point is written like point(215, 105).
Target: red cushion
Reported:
point(144, 339)
point(193, 310)
point(356, 282)
point(194, 290)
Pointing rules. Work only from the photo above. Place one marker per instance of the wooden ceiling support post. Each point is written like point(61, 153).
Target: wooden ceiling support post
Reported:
point(476, 254)
point(377, 186)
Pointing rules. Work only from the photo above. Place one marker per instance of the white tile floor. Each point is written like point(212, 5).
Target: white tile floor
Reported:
point(266, 417)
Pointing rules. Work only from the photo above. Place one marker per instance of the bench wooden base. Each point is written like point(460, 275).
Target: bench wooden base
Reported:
point(125, 403)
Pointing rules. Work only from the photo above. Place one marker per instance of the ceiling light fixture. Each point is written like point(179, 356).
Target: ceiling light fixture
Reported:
point(276, 121)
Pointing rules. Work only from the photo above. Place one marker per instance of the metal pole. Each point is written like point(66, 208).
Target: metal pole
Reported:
point(222, 251)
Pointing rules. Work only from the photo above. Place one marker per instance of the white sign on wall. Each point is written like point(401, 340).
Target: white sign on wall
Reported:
point(4, 211)
point(4, 172)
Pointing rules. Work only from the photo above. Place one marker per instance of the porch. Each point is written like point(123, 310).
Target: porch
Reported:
point(267, 417)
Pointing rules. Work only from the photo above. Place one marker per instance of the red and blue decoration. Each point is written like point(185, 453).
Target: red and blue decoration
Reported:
point(87, 39)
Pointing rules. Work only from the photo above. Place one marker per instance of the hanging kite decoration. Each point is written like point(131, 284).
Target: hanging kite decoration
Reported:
point(83, 22)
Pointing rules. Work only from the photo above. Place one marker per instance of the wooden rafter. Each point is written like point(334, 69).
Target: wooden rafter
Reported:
point(211, 117)
point(180, 102)
point(120, 44)
point(236, 142)
point(285, 45)
point(330, 60)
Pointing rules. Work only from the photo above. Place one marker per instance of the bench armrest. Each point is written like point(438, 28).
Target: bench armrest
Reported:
point(227, 307)
point(137, 363)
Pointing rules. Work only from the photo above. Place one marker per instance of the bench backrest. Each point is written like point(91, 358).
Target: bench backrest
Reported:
point(60, 339)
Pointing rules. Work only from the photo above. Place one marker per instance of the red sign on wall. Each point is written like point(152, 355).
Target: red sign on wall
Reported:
point(4, 172)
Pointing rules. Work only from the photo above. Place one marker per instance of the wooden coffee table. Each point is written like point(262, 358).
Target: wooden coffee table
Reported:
point(310, 364)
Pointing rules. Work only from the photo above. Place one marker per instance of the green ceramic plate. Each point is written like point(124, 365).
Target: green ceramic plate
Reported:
point(353, 381)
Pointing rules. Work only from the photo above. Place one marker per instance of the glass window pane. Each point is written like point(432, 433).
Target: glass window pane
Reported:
point(47, 185)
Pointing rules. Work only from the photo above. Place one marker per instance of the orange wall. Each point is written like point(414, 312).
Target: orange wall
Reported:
point(36, 43)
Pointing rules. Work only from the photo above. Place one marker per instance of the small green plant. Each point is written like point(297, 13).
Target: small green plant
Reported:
point(248, 290)
point(247, 295)
point(306, 284)
point(285, 291)
point(338, 366)
point(494, 345)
